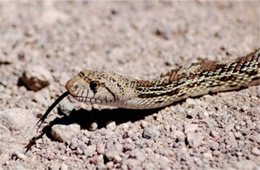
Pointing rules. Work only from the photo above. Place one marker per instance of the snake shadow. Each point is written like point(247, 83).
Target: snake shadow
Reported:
point(85, 118)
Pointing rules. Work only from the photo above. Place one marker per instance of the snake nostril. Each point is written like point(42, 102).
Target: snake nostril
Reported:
point(75, 87)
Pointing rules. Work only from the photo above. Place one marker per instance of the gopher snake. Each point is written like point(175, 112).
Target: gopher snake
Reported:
point(111, 89)
point(194, 80)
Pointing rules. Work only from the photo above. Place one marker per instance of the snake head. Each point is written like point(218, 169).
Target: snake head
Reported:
point(96, 87)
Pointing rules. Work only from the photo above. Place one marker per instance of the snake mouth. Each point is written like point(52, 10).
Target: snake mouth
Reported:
point(87, 99)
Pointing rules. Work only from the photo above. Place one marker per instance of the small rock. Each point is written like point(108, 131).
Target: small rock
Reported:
point(79, 151)
point(164, 32)
point(100, 148)
point(73, 145)
point(195, 139)
point(238, 135)
point(101, 166)
point(214, 133)
point(203, 115)
point(64, 133)
point(150, 132)
point(246, 164)
point(139, 155)
point(16, 126)
point(125, 126)
point(111, 125)
point(114, 146)
point(54, 166)
point(190, 101)
point(207, 155)
point(144, 124)
point(256, 151)
point(36, 77)
point(93, 126)
point(64, 167)
point(130, 133)
point(113, 156)
point(110, 165)
point(16, 119)
point(190, 128)
point(135, 164)
point(19, 155)
point(180, 135)
point(20, 167)
point(66, 107)
point(90, 150)
point(232, 140)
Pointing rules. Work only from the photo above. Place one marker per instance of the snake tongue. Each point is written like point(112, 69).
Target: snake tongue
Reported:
point(39, 123)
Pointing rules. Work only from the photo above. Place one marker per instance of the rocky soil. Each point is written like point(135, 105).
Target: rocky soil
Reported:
point(44, 43)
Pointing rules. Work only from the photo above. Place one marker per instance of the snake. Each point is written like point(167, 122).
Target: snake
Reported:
point(196, 79)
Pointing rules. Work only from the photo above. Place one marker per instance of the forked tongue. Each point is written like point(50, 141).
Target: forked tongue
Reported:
point(39, 123)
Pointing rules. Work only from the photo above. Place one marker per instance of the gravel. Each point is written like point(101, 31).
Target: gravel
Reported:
point(45, 43)
point(36, 77)
point(64, 133)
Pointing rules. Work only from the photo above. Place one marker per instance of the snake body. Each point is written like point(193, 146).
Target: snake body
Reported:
point(108, 88)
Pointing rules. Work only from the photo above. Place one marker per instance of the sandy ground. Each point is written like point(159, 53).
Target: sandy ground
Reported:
point(140, 39)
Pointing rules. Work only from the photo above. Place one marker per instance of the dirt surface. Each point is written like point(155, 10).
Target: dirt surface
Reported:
point(46, 43)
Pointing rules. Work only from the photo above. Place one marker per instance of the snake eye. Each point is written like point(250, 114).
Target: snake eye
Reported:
point(93, 85)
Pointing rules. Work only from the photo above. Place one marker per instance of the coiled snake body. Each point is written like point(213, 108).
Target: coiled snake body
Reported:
point(109, 88)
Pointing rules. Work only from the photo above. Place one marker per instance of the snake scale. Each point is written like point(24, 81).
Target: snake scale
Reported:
point(108, 88)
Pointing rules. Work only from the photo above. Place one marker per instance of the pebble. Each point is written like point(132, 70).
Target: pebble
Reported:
point(246, 164)
point(137, 154)
point(110, 165)
point(190, 128)
point(73, 145)
point(54, 166)
point(19, 155)
point(129, 144)
point(36, 77)
point(111, 125)
point(66, 106)
point(64, 167)
point(256, 151)
point(100, 148)
point(180, 135)
point(15, 125)
point(163, 32)
point(238, 135)
point(150, 132)
point(115, 146)
point(90, 150)
point(133, 164)
point(64, 133)
point(195, 139)
point(16, 119)
point(144, 124)
point(93, 126)
point(125, 126)
point(20, 167)
point(113, 156)
point(214, 133)
point(190, 101)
